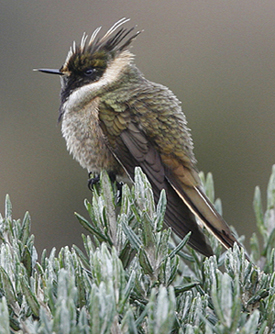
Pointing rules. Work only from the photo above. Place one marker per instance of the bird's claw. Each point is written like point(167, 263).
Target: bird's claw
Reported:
point(93, 179)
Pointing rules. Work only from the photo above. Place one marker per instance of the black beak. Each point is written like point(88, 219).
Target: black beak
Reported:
point(48, 70)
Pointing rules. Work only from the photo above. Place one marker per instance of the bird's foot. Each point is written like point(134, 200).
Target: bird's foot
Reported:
point(93, 179)
point(119, 185)
point(119, 191)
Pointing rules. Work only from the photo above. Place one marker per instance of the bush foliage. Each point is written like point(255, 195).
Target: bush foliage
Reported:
point(136, 276)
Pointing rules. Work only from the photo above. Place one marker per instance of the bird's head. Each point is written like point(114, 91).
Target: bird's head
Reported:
point(98, 61)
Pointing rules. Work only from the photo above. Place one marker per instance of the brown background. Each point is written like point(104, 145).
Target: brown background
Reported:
point(218, 57)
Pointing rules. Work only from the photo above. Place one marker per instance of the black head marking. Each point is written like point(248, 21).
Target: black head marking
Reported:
point(87, 62)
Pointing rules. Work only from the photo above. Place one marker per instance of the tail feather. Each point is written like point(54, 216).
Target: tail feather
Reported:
point(182, 220)
point(198, 203)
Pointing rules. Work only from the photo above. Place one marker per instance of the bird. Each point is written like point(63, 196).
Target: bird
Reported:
point(114, 119)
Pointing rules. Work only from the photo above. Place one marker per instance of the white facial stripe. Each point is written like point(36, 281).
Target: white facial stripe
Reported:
point(85, 94)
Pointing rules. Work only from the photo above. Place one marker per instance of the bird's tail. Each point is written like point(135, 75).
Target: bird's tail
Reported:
point(182, 220)
point(198, 203)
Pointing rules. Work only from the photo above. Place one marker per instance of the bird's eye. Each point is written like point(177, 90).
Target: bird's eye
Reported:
point(90, 72)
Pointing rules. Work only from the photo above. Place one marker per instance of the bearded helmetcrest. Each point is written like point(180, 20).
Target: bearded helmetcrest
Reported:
point(114, 119)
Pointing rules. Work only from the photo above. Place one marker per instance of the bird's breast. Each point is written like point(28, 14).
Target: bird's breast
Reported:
point(85, 139)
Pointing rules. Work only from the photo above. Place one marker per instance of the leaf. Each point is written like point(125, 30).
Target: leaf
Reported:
point(8, 208)
point(161, 208)
point(179, 247)
point(7, 286)
point(90, 228)
point(30, 297)
point(4, 317)
point(131, 235)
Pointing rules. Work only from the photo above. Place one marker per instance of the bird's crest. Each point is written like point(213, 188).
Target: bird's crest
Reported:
point(100, 49)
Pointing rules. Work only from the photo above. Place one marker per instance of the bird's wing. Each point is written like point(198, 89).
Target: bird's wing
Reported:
point(132, 148)
point(165, 124)
point(150, 131)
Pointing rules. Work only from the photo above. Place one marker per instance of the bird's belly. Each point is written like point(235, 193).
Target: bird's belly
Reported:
point(86, 142)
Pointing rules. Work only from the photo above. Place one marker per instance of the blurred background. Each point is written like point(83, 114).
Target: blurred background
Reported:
point(217, 56)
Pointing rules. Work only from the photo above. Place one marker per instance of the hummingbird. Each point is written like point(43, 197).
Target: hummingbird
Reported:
point(113, 118)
